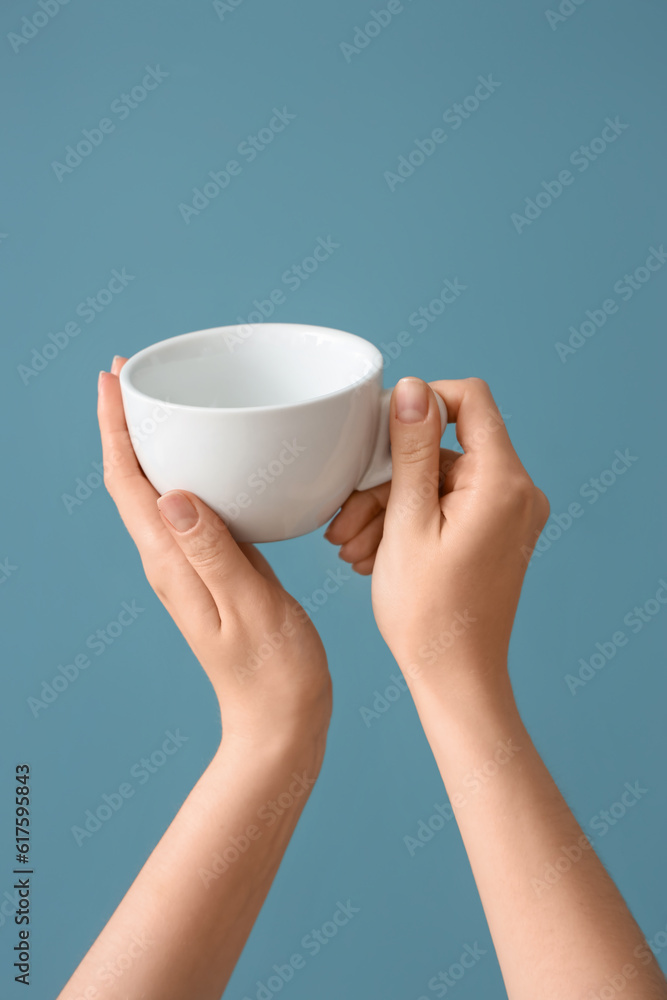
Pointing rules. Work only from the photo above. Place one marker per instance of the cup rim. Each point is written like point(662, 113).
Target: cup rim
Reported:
point(375, 356)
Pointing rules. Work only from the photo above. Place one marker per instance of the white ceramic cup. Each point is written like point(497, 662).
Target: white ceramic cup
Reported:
point(272, 425)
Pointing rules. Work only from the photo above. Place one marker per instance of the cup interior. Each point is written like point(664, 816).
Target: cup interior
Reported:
point(267, 364)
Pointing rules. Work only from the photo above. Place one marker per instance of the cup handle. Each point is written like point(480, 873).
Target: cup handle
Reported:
point(379, 467)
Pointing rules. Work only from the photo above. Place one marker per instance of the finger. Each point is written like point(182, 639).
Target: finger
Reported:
point(358, 510)
point(365, 567)
point(132, 493)
point(364, 544)
point(479, 423)
point(448, 459)
point(361, 507)
point(174, 581)
point(454, 474)
point(256, 559)
point(415, 431)
point(207, 544)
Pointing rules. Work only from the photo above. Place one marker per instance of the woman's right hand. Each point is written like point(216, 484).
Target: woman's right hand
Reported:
point(453, 546)
point(257, 645)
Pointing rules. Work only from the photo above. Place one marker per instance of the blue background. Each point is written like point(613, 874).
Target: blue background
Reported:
point(324, 176)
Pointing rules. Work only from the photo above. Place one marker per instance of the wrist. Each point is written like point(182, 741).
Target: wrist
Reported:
point(294, 731)
point(461, 692)
point(473, 733)
point(254, 794)
point(275, 751)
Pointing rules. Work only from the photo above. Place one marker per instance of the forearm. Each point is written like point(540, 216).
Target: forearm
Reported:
point(555, 937)
point(185, 919)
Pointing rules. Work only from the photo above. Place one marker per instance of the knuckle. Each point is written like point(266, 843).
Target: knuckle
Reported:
point(204, 544)
point(159, 570)
point(157, 580)
point(542, 506)
point(110, 479)
point(107, 473)
point(158, 588)
point(208, 620)
point(523, 486)
point(518, 494)
point(238, 630)
point(364, 567)
point(358, 510)
point(114, 469)
point(204, 552)
point(415, 451)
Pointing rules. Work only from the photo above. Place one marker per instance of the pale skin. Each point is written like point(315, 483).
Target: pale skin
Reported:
point(447, 543)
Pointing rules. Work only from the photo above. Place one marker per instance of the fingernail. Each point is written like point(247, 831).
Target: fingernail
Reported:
point(411, 400)
point(99, 379)
point(178, 510)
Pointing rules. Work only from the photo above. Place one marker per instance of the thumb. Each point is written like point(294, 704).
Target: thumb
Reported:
point(415, 431)
point(207, 544)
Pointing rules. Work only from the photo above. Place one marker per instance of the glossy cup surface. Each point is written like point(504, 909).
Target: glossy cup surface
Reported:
point(272, 425)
